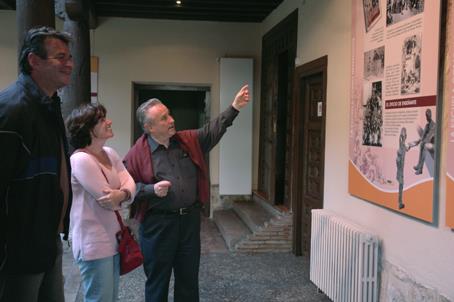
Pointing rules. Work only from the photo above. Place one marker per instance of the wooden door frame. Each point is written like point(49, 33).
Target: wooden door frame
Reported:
point(282, 37)
point(319, 65)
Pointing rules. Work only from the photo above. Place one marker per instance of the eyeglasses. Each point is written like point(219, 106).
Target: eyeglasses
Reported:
point(62, 58)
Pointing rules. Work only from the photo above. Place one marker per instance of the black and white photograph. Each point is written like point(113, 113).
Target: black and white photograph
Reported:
point(371, 12)
point(411, 65)
point(399, 10)
point(374, 63)
point(373, 115)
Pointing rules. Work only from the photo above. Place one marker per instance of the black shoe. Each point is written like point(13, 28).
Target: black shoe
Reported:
point(401, 206)
point(417, 172)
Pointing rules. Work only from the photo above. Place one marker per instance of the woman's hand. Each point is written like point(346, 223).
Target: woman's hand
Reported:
point(113, 198)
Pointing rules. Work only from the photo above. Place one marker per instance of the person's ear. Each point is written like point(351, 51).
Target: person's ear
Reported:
point(33, 60)
point(147, 127)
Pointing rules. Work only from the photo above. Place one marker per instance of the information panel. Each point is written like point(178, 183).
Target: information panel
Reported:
point(393, 103)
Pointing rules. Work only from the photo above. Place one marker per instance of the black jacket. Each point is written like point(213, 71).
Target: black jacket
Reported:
point(31, 200)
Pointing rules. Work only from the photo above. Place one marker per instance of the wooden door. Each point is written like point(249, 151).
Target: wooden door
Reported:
point(278, 57)
point(309, 148)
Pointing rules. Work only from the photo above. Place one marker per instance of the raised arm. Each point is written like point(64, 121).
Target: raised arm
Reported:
point(242, 98)
point(210, 134)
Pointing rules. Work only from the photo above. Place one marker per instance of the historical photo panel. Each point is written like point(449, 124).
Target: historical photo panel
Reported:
point(399, 10)
point(393, 105)
point(373, 115)
point(411, 65)
point(371, 12)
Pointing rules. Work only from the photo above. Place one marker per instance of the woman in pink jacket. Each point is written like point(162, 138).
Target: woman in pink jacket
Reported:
point(101, 185)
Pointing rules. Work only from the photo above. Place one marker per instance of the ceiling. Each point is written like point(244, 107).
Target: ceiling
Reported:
point(207, 10)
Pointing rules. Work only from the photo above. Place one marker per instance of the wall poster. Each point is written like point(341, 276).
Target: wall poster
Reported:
point(393, 103)
point(450, 138)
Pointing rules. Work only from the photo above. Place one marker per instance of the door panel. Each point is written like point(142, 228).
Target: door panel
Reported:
point(312, 193)
point(309, 149)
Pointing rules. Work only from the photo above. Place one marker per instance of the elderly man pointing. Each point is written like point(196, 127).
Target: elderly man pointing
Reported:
point(172, 182)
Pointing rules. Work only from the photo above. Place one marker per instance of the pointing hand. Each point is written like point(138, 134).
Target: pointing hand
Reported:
point(241, 98)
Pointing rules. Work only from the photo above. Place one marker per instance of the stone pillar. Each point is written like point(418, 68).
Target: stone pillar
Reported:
point(32, 13)
point(76, 22)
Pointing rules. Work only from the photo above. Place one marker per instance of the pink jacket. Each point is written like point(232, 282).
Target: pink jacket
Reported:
point(93, 227)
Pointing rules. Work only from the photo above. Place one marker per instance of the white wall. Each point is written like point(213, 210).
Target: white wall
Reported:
point(8, 48)
point(152, 51)
point(162, 51)
point(424, 251)
point(235, 148)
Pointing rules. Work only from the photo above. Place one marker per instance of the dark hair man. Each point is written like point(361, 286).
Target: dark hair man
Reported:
point(35, 191)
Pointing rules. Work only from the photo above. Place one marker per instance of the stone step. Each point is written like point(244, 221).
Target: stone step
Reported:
point(263, 250)
point(268, 238)
point(276, 243)
point(267, 229)
point(254, 215)
point(231, 227)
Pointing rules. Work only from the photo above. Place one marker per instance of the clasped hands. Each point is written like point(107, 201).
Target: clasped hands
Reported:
point(113, 199)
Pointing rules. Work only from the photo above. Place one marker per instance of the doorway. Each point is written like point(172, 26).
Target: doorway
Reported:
point(189, 105)
point(309, 149)
point(281, 130)
point(278, 57)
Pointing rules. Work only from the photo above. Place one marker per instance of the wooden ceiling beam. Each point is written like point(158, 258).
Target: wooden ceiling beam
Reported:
point(186, 10)
point(207, 17)
point(213, 10)
point(167, 4)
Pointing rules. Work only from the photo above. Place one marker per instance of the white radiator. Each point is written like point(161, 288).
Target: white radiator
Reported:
point(344, 259)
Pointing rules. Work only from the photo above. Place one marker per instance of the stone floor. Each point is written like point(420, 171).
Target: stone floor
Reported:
point(224, 276)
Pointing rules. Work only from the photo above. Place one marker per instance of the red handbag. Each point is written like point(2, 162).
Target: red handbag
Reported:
point(130, 255)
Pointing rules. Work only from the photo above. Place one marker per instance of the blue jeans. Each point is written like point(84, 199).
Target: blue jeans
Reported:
point(100, 278)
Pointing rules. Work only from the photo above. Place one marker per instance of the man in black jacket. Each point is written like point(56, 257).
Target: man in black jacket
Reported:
point(35, 192)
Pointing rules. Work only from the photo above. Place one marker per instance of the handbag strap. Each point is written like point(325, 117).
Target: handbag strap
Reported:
point(120, 221)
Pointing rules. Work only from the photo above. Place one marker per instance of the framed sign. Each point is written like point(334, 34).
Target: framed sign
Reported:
point(393, 104)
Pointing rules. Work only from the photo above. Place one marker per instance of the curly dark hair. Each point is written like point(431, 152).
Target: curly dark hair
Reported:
point(81, 122)
point(34, 42)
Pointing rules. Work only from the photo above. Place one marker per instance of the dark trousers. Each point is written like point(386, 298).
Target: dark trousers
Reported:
point(42, 287)
point(171, 241)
